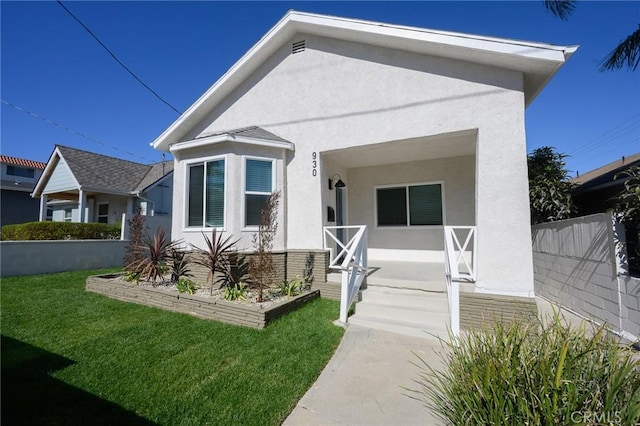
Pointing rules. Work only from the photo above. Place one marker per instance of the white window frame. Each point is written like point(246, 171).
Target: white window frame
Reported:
point(406, 186)
point(98, 215)
point(185, 211)
point(64, 214)
point(243, 219)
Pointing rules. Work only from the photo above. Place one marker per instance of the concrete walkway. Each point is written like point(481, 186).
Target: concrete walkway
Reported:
point(363, 383)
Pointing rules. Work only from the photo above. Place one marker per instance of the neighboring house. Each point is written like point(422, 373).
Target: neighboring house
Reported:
point(18, 178)
point(81, 186)
point(597, 190)
point(425, 128)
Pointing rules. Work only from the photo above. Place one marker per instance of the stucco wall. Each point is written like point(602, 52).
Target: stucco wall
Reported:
point(575, 266)
point(43, 257)
point(457, 175)
point(340, 94)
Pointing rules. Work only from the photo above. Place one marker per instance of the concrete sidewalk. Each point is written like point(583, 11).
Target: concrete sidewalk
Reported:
point(363, 383)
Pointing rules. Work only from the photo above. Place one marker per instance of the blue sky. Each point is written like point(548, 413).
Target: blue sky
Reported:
point(52, 67)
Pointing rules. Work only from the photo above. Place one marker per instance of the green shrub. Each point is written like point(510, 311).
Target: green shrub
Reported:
point(534, 374)
point(236, 292)
point(184, 285)
point(60, 231)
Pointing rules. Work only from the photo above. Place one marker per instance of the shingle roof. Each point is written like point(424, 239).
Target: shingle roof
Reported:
point(157, 171)
point(615, 166)
point(249, 132)
point(99, 171)
point(22, 162)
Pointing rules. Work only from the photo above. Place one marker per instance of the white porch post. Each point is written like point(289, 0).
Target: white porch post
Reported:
point(43, 208)
point(82, 204)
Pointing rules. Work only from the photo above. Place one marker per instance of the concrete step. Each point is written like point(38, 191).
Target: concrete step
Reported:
point(401, 327)
point(424, 285)
point(416, 316)
point(412, 299)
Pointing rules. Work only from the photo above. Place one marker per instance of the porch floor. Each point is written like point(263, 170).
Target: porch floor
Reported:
point(425, 276)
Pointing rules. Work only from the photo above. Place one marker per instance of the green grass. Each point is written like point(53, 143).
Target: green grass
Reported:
point(72, 357)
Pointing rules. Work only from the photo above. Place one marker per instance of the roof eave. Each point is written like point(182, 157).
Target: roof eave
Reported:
point(210, 140)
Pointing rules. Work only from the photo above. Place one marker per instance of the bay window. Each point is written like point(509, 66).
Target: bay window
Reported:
point(258, 187)
point(206, 183)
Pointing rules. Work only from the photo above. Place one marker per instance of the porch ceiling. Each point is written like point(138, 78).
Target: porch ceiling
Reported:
point(400, 151)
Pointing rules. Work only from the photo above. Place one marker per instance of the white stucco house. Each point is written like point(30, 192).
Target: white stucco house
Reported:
point(419, 128)
point(82, 186)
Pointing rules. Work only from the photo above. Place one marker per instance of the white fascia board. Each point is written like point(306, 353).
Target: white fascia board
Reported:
point(514, 54)
point(230, 138)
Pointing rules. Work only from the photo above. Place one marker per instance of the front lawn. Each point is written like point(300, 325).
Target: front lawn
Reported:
point(72, 357)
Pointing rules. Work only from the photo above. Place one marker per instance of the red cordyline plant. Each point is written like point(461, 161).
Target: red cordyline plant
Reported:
point(216, 255)
point(155, 253)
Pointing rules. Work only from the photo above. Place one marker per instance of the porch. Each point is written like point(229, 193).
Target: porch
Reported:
point(421, 299)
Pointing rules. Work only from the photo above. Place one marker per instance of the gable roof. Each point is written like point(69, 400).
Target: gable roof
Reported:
point(15, 161)
point(97, 172)
point(605, 173)
point(537, 61)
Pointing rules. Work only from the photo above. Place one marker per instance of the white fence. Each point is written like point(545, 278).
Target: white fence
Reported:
point(580, 264)
point(43, 257)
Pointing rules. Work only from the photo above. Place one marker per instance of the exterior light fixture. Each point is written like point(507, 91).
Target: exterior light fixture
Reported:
point(337, 184)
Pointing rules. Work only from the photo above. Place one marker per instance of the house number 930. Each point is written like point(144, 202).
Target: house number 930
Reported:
point(314, 163)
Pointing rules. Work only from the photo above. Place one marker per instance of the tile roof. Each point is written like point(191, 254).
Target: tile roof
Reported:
point(249, 132)
point(99, 171)
point(22, 162)
point(615, 166)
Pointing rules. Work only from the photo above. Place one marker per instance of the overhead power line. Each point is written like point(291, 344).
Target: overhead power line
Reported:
point(75, 132)
point(116, 58)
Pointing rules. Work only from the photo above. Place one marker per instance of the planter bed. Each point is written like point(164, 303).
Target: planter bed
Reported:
point(204, 307)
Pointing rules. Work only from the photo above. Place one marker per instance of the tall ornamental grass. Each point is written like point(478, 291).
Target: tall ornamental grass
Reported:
point(534, 374)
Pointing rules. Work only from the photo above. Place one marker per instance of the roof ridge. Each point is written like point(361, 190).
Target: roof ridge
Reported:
point(101, 155)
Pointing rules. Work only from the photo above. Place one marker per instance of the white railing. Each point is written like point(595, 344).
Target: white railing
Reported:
point(351, 259)
point(457, 255)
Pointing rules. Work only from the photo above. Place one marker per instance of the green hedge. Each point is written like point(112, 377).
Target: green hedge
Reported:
point(60, 231)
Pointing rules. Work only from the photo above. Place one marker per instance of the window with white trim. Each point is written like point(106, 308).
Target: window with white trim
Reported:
point(68, 215)
point(409, 205)
point(205, 205)
point(258, 186)
point(103, 213)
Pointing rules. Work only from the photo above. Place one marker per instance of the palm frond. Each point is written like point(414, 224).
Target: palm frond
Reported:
point(560, 8)
point(627, 53)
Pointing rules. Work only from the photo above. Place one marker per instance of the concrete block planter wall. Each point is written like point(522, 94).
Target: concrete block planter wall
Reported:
point(209, 308)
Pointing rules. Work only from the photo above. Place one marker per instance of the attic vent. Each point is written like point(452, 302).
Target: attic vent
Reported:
point(297, 47)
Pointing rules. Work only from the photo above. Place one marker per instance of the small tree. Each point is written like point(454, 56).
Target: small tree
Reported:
point(549, 188)
point(628, 201)
point(261, 267)
point(134, 250)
